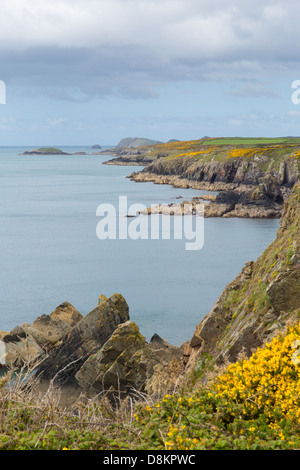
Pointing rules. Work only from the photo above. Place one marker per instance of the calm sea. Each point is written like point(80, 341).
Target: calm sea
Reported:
point(50, 252)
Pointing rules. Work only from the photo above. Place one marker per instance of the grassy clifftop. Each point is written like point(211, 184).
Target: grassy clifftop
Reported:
point(230, 161)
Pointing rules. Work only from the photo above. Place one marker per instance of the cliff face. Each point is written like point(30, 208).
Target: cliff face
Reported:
point(235, 170)
point(260, 176)
point(263, 299)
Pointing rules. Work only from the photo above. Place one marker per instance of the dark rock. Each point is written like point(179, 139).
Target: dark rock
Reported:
point(196, 341)
point(84, 339)
point(15, 335)
point(126, 364)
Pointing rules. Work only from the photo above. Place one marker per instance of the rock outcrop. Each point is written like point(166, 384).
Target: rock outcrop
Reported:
point(262, 300)
point(84, 339)
point(100, 352)
point(127, 364)
point(105, 352)
point(264, 201)
point(27, 343)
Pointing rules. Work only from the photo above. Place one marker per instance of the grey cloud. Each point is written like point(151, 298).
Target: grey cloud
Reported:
point(160, 42)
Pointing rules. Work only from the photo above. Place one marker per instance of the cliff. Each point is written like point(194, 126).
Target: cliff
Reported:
point(254, 175)
point(230, 162)
point(262, 301)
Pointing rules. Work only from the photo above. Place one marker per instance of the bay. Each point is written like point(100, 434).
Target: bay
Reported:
point(50, 252)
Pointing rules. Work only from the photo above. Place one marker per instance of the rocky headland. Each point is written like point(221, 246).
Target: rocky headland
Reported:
point(254, 179)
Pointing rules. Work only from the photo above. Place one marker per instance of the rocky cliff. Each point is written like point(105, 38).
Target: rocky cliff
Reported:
point(260, 175)
point(260, 302)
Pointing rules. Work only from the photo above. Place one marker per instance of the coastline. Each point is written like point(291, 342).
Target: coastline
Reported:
point(230, 202)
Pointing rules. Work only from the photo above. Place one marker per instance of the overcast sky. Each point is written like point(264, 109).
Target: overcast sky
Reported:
point(80, 72)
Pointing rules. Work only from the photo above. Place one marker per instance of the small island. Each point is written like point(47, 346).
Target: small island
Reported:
point(96, 146)
point(54, 151)
point(45, 151)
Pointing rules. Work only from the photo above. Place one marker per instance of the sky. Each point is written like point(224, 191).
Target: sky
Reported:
point(84, 72)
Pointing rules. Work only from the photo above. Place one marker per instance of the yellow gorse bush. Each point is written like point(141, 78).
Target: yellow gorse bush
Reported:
point(296, 154)
point(269, 379)
point(197, 152)
point(246, 152)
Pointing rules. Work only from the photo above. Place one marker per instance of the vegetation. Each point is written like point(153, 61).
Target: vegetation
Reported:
point(220, 149)
point(251, 404)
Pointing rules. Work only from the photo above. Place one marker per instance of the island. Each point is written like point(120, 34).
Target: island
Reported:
point(56, 151)
point(45, 151)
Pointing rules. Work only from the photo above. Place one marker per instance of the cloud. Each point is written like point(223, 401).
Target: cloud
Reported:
point(78, 49)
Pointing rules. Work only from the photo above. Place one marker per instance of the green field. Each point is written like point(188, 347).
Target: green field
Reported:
point(251, 140)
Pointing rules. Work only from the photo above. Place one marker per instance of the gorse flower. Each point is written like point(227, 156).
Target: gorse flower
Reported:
point(253, 404)
point(268, 380)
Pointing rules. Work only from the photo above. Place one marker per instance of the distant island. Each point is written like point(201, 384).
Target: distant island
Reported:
point(45, 151)
point(56, 151)
point(134, 142)
point(125, 144)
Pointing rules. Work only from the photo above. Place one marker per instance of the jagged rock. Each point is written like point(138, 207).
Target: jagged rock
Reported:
point(27, 343)
point(18, 349)
point(196, 341)
point(84, 339)
point(14, 335)
point(127, 364)
point(48, 330)
point(67, 313)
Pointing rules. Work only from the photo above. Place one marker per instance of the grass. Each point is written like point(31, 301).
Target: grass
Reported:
point(252, 404)
point(267, 153)
point(251, 140)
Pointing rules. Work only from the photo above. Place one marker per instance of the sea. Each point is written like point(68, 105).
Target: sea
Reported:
point(51, 251)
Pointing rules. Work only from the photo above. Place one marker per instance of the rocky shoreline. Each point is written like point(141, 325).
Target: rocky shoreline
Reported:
point(264, 200)
point(104, 351)
point(251, 187)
